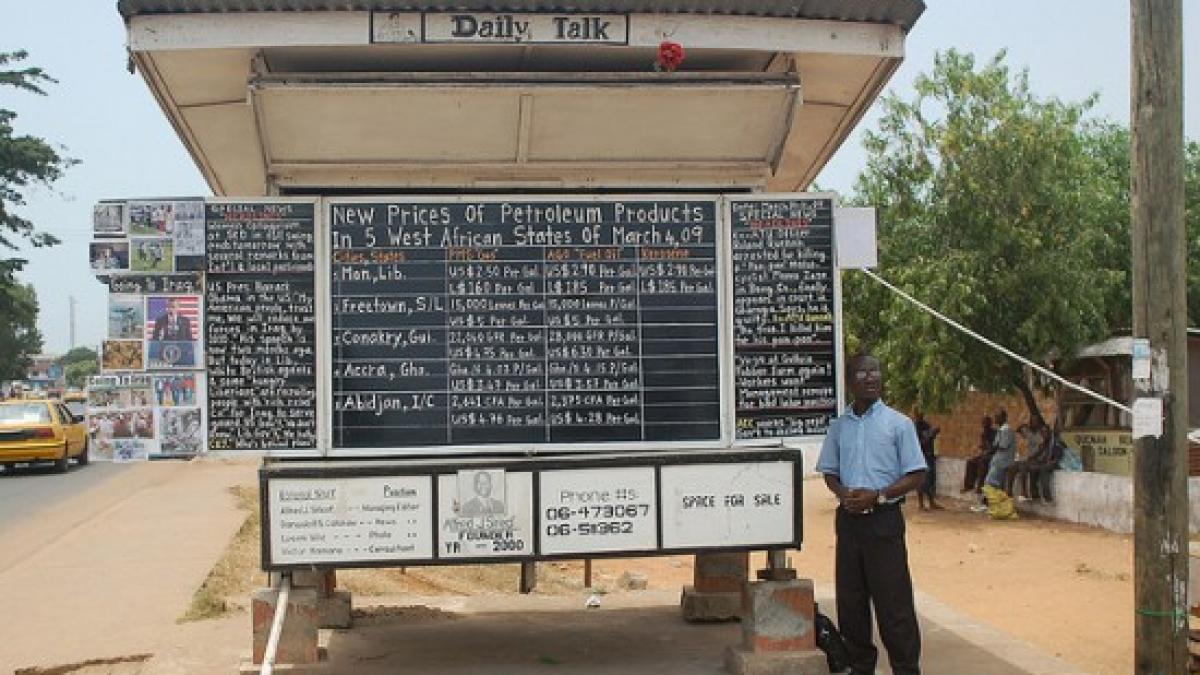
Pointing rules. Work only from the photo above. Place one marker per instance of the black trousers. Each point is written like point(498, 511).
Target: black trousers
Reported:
point(872, 568)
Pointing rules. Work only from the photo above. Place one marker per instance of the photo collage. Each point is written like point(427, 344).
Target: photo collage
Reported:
point(147, 237)
point(149, 400)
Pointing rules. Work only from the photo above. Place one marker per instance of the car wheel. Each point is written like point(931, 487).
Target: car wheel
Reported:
point(63, 464)
point(83, 456)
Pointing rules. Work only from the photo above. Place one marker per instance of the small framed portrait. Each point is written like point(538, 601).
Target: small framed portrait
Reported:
point(122, 355)
point(172, 331)
point(108, 220)
point(109, 256)
point(481, 492)
point(126, 316)
point(152, 254)
point(151, 219)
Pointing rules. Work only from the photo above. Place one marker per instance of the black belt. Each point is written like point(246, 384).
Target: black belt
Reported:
point(889, 506)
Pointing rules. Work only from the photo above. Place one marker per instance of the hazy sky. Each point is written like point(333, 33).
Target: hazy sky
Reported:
point(106, 117)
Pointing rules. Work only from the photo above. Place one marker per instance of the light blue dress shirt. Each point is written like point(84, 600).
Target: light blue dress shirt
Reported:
point(871, 451)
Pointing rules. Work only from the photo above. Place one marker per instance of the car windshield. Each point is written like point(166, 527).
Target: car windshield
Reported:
point(77, 408)
point(24, 413)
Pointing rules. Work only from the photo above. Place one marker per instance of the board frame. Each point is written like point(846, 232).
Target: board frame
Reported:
point(322, 284)
point(839, 380)
point(437, 467)
point(724, 332)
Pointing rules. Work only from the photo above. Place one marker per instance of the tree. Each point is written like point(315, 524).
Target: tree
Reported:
point(983, 193)
point(24, 161)
point(19, 336)
point(78, 365)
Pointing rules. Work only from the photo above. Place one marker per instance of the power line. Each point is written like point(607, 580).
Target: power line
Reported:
point(996, 346)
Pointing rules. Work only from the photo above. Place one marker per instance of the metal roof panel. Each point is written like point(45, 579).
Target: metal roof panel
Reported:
point(903, 13)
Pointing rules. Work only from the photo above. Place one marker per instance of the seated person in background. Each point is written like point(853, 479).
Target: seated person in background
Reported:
point(1041, 471)
point(977, 466)
point(1031, 434)
point(926, 435)
point(1005, 446)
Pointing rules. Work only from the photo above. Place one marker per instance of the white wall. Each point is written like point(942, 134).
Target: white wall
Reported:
point(1095, 499)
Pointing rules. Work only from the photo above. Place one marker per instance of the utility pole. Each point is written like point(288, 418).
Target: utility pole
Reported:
point(1160, 490)
point(71, 302)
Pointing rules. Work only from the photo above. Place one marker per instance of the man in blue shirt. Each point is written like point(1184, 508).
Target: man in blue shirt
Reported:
point(871, 458)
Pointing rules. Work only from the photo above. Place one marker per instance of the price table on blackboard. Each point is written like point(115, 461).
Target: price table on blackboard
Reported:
point(513, 322)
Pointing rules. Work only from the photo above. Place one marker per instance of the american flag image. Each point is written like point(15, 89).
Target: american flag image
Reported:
point(187, 306)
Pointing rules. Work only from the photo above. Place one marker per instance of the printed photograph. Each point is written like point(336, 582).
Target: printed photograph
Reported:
point(108, 397)
point(126, 314)
point(180, 431)
point(122, 355)
point(155, 254)
point(100, 437)
point(150, 218)
point(108, 219)
point(481, 492)
point(172, 331)
point(175, 390)
point(141, 397)
point(109, 256)
point(130, 451)
point(189, 245)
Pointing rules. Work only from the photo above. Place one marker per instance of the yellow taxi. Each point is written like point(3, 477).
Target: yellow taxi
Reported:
point(41, 431)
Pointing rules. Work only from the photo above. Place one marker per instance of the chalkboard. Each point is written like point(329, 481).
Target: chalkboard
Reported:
point(522, 322)
point(783, 317)
point(261, 326)
point(259, 238)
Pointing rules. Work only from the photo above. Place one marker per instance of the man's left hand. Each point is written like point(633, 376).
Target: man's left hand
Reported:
point(860, 500)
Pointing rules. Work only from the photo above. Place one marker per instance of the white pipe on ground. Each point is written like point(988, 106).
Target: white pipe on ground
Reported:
point(281, 603)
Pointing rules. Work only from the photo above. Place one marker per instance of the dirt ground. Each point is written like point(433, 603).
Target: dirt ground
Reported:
point(1065, 589)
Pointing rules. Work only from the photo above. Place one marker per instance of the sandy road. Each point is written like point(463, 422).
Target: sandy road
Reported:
point(101, 573)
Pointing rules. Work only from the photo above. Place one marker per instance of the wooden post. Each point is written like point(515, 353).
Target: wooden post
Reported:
point(528, 577)
point(1160, 314)
point(587, 572)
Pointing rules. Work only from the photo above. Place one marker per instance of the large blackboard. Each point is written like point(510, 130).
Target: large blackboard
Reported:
point(261, 326)
point(783, 317)
point(512, 322)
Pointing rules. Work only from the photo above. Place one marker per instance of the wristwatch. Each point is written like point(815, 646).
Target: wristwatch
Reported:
point(881, 499)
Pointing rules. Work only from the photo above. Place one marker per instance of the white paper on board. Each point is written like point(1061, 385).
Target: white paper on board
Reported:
point(854, 232)
point(1141, 359)
point(1147, 417)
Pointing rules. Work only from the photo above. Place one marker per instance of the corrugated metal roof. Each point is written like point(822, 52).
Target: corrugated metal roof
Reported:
point(900, 12)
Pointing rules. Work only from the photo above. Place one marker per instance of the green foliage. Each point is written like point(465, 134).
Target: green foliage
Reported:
point(78, 365)
point(984, 194)
point(19, 336)
point(79, 354)
point(77, 373)
point(24, 161)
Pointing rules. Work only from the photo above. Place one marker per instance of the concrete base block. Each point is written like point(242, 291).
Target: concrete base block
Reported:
point(779, 616)
point(298, 642)
point(335, 611)
point(740, 661)
point(700, 607)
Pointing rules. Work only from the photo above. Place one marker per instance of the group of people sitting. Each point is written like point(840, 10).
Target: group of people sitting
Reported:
point(997, 463)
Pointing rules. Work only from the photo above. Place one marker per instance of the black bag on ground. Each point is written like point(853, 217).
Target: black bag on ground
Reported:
point(830, 641)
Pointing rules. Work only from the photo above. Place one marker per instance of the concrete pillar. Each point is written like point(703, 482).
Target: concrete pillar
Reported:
point(779, 634)
point(716, 590)
point(334, 609)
